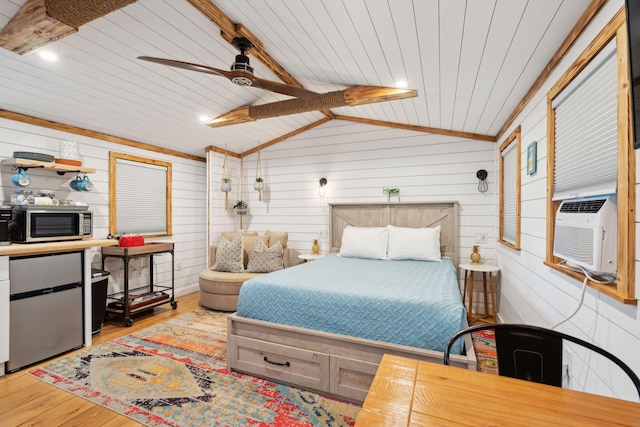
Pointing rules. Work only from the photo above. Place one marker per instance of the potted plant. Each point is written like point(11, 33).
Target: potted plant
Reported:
point(241, 207)
point(392, 191)
point(259, 184)
point(226, 185)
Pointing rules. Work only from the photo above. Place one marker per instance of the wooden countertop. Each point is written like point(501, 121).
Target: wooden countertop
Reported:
point(409, 392)
point(18, 249)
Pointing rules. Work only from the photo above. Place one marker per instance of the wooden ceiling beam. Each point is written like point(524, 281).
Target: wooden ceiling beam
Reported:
point(352, 96)
point(32, 28)
point(40, 22)
point(417, 128)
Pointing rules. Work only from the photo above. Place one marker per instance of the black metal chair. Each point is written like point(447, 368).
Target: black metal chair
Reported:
point(533, 353)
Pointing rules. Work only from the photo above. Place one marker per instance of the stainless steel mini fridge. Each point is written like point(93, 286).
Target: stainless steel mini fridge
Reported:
point(46, 307)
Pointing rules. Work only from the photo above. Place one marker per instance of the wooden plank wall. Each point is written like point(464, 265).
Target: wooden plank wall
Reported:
point(358, 161)
point(189, 199)
point(532, 293)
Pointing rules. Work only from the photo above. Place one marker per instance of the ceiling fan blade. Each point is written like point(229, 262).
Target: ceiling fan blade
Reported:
point(189, 66)
point(352, 96)
point(296, 92)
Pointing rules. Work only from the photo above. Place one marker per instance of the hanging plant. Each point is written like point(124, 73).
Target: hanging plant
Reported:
point(258, 185)
point(241, 207)
point(226, 185)
point(226, 181)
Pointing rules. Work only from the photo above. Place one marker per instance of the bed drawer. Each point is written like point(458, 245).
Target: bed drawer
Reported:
point(282, 363)
point(351, 378)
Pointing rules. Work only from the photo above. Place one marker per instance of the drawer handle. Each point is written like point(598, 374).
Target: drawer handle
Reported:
point(266, 359)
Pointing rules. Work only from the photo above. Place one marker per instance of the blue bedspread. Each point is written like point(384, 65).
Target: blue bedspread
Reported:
point(414, 303)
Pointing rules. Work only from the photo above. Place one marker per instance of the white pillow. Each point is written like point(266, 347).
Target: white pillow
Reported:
point(414, 243)
point(364, 242)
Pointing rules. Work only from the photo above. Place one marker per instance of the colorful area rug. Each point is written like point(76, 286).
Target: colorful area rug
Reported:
point(484, 344)
point(174, 374)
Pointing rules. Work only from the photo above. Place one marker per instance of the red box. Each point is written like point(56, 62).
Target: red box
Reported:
point(128, 241)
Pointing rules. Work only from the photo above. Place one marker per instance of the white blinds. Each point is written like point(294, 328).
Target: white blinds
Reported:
point(586, 130)
point(510, 169)
point(141, 198)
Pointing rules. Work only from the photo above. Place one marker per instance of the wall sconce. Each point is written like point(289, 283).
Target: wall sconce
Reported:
point(322, 189)
point(482, 180)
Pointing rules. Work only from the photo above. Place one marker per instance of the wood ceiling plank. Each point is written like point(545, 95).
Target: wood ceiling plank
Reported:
point(428, 35)
point(476, 30)
point(504, 24)
point(517, 60)
point(91, 134)
point(588, 15)
point(404, 20)
point(450, 56)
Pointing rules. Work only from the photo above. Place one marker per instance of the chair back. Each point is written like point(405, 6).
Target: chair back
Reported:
point(533, 353)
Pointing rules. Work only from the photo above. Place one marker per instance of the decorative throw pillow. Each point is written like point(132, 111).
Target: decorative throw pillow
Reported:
point(229, 255)
point(247, 246)
point(264, 259)
point(364, 242)
point(414, 243)
point(274, 236)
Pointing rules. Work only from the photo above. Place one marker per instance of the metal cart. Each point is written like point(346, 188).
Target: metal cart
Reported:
point(131, 301)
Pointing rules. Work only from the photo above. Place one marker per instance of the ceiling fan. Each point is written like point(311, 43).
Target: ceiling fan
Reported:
point(241, 72)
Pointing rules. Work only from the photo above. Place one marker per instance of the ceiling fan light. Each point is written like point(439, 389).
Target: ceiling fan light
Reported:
point(242, 64)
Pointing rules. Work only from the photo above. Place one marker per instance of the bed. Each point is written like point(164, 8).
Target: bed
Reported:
point(306, 327)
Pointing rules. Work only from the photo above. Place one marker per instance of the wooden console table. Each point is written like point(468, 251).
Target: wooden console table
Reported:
point(410, 392)
point(121, 302)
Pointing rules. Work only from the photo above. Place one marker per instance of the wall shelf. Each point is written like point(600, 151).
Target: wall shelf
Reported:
point(58, 167)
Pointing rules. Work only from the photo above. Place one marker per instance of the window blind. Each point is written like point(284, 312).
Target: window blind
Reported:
point(586, 130)
point(510, 170)
point(141, 198)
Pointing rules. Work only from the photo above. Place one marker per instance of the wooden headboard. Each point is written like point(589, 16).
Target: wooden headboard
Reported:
point(414, 215)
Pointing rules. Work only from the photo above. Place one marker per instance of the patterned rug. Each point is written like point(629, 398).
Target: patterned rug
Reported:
point(174, 374)
point(484, 344)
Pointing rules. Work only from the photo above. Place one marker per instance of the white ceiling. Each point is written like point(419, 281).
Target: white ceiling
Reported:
point(471, 61)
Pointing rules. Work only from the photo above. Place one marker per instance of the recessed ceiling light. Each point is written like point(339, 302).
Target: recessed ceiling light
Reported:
point(203, 118)
point(48, 55)
point(401, 84)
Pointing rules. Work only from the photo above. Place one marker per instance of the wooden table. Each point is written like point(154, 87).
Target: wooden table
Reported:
point(409, 392)
point(469, 269)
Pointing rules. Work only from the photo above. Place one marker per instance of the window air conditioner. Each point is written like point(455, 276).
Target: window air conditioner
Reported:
point(586, 233)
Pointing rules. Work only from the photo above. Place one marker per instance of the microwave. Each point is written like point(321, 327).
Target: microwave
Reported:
point(31, 224)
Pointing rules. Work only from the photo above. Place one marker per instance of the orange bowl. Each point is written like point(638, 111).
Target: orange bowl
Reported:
point(69, 162)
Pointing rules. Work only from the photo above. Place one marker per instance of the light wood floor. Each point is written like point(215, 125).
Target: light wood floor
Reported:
point(26, 401)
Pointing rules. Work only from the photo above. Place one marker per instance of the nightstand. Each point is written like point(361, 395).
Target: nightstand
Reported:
point(485, 269)
point(309, 257)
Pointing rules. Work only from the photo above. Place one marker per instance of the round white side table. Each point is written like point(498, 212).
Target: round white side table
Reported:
point(310, 257)
point(485, 269)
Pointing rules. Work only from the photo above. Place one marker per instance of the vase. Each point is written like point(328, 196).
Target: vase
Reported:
point(475, 255)
point(226, 187)
point(315, 249)
point(258, 185)
point(241, 211)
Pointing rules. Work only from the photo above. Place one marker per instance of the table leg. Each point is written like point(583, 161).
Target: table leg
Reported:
point(470, 310)
point(493, 298)
point(484, 287)
point(464, 289)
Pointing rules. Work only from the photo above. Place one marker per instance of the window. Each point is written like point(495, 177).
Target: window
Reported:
point(589, 148)
point(139, 195)
point(510, 191)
